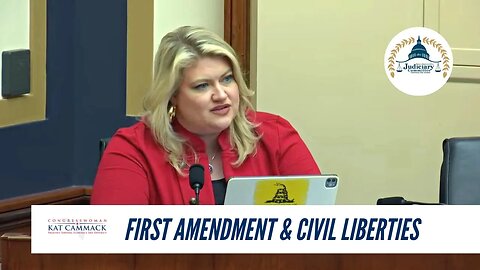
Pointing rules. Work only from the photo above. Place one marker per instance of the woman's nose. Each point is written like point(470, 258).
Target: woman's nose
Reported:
point(219, 92)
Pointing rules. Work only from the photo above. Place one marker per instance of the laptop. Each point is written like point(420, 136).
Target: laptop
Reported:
point(282, 190)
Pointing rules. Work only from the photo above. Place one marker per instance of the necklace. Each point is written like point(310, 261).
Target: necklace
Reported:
point(210, 166)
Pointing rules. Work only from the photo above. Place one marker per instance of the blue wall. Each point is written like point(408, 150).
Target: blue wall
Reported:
point(86, 75)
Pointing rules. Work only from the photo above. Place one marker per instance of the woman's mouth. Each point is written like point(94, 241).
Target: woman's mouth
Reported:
point(221, 109)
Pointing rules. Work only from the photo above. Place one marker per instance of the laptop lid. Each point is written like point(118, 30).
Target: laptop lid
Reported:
point(282, 190)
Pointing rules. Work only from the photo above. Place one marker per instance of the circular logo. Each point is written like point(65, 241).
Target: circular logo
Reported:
point(418, 61)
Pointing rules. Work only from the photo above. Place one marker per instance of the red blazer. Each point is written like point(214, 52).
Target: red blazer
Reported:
point(134, 168)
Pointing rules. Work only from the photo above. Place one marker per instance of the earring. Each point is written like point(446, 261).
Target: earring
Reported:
point(171, 112)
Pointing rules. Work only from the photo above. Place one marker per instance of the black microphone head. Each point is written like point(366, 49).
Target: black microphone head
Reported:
point(196, 176)
point(391, 201)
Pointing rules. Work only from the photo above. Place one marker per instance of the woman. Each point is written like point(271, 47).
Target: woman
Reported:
point(197, 111)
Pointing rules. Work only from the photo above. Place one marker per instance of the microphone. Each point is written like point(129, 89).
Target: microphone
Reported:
point(196, 177)
point(401, 201)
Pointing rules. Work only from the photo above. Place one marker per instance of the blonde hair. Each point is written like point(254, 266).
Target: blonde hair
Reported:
point(179, 50)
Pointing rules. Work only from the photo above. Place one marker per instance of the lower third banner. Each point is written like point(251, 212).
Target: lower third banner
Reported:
point(255, 229)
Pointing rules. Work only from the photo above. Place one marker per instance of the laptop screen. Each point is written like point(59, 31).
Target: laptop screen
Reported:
point(282, 190)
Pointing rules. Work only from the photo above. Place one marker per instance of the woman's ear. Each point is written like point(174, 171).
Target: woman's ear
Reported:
point(173, 101)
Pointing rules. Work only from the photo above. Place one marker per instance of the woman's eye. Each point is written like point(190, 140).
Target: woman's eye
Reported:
point(228, 78)
point(201, 86)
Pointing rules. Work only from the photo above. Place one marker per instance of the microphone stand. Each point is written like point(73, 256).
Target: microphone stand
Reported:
point(193, 201)
point(196, 200)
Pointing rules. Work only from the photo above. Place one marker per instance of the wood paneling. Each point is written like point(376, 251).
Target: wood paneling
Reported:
point(57, 196)
point(174, 261)
point(237, 29)
point(17, 250)
point(15, 213)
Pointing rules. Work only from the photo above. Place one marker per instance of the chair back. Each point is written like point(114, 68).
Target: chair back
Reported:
point(460, 172)
point(102, 146)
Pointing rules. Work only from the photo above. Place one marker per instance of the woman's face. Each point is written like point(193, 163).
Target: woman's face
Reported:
point(208, 97)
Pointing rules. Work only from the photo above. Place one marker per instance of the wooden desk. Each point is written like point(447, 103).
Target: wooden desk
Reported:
point(16, 250)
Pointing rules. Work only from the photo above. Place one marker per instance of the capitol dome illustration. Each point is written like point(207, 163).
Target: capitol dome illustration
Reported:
point(419, 51)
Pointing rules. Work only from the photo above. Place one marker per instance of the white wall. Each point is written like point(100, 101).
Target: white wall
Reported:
point(320, 65)
point(14, 27)
point(169, 15)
